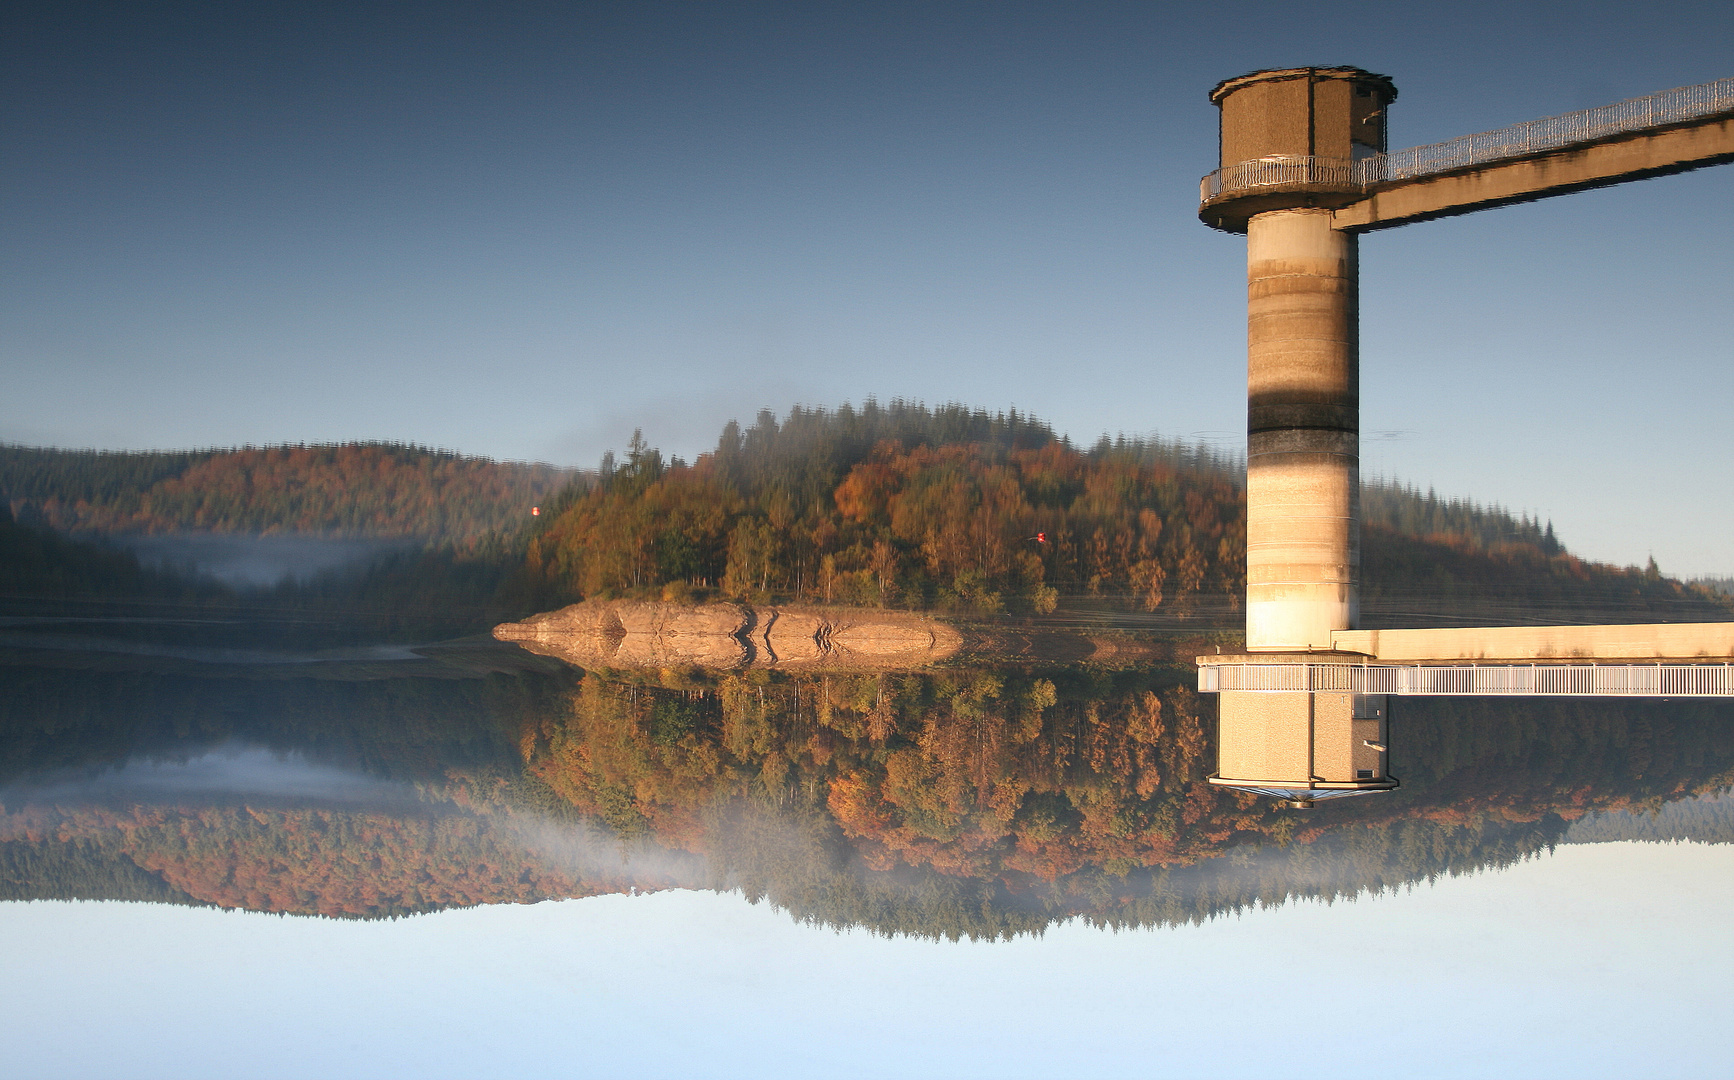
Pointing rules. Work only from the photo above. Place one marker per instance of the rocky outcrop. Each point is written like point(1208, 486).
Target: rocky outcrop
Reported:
point(849, 637)
point(629, 634)
point(649, 634)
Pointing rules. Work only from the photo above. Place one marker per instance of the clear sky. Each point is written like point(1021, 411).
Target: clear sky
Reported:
point(523, 230)
point(1606, 960)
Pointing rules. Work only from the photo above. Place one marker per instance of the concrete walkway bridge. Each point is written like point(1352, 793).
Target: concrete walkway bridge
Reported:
point(1656, 135)
point(1304, 170)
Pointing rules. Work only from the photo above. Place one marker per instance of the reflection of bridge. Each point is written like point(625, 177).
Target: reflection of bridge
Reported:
point(1305, 170)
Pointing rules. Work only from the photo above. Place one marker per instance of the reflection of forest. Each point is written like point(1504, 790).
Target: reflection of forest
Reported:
point(963, 802)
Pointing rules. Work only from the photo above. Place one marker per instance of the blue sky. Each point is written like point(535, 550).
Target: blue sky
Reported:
point(523, 230)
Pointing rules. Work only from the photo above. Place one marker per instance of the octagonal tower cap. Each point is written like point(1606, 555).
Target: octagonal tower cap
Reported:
point(1352, 74)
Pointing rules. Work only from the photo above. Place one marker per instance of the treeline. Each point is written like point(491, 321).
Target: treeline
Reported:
point(1708, 819)
point(336, 862)
point(374, 490)
point(985, 513)
point(1723, 585)
point(906, 506)
point(897, 505)
point(1451, 579)
point(1399, 508)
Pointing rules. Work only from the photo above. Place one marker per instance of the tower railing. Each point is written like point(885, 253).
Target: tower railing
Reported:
point(1277, 171)
point(1676, 106)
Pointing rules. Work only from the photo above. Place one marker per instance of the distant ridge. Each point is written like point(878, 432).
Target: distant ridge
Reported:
point(902, 505)
point(358, 490)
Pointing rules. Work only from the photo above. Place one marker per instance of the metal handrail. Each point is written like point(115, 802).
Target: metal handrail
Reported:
point(1553, 133)
point(1542, 680)
point(1530, 137)
point(1280, 169)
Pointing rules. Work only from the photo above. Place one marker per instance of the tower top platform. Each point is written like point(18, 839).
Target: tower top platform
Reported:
point(1387, 88)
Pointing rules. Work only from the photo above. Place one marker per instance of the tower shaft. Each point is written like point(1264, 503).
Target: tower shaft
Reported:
point(1303, 431)
point(1290, 139)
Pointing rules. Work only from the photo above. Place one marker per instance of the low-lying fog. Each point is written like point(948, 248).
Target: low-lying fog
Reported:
point(256, 561)
point(235, 770)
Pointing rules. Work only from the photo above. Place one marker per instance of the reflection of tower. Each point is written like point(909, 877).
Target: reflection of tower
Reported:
point(1302, 746)
point(1300, 130)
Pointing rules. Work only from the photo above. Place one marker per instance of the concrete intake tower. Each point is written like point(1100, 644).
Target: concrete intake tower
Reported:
point(1303, 171)
point(1301, 130)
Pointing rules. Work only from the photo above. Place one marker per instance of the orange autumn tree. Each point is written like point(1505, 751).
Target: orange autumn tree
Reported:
point(881, 508)
point(970, 512)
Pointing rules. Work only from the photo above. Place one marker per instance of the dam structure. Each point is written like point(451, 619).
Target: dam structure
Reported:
point(1304, 170)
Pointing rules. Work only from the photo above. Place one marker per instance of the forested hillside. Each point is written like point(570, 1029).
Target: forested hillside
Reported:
point(977, 513)
point(375, 490)
point(898, 505)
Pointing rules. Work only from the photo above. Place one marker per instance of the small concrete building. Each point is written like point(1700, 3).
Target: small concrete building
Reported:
point(1302, 746)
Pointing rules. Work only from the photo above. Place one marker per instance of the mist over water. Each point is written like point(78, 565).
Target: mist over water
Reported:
point(232, 770)
point(243, 561)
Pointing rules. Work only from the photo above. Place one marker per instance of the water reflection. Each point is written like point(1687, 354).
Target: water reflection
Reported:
point(1302, 747)
point(237, 771)
point(977, 801)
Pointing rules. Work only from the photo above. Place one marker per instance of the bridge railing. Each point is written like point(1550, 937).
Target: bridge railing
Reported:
point(1552, 133)
point(1530, 137)
point(1525, 680)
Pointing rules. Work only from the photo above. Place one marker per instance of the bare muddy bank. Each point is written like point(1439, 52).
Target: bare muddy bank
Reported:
point(654, 634)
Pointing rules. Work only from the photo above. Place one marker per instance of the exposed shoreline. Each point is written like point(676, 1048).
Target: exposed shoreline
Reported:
point(628, 634)
point(728, 636)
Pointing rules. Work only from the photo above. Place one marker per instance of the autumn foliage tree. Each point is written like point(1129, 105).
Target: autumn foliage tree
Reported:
point(878, 511)
point(964, 511)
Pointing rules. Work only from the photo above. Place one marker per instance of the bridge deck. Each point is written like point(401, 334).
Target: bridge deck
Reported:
point(1671, 642)
point(1616, 160)
point(1638, 660)
point(1471, 680)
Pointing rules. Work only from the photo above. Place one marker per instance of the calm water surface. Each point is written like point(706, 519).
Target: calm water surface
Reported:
point(466, 861)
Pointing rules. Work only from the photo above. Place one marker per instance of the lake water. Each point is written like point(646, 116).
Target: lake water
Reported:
point(468, 861)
